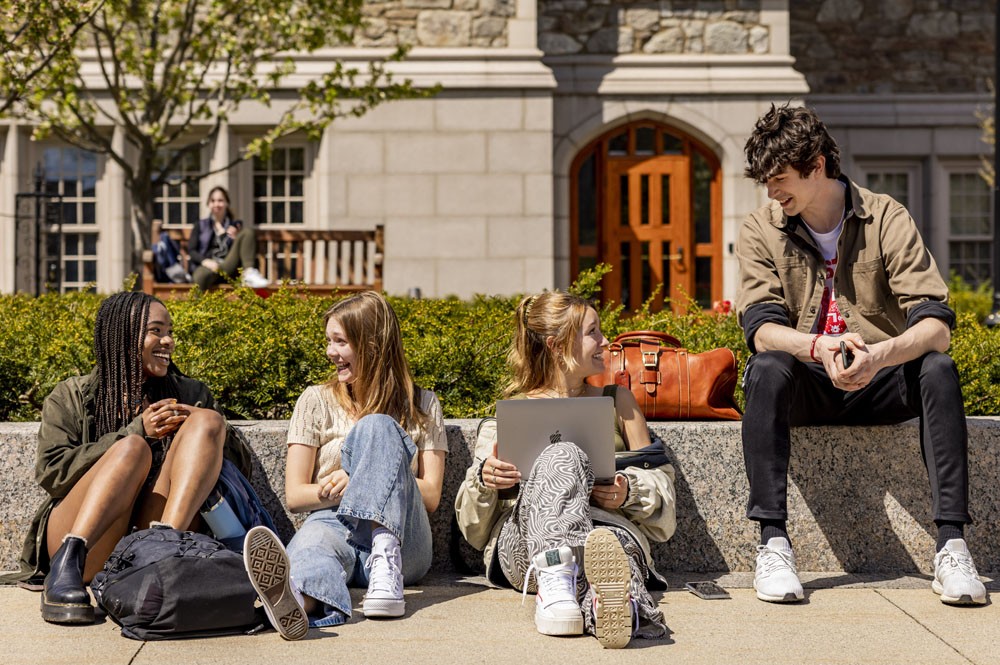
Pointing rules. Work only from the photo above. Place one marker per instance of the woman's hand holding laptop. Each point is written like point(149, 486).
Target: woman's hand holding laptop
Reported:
point(499, 475)
point(611, 497)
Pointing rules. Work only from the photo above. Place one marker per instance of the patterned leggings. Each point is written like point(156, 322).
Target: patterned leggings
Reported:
point(552, 510)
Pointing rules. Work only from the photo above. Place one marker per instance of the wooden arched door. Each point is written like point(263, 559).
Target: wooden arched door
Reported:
point(646, 199)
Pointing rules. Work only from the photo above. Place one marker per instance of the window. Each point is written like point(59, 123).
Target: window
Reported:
point(178, 201)
point(970, 227)
point(902, 181)
point(278, 184)
point(894, 183)
point(72, 174)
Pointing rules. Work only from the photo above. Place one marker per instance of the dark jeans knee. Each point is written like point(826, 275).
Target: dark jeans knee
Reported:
point(933, 377)
point(769, 372)
point(937, 367)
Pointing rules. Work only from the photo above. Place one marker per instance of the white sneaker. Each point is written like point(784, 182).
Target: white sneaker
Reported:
point(955, 576)
point(610, 576)
point(776, 579)
point(267, 566)
point(384, 598)
point(253, 279)
point(557, 611)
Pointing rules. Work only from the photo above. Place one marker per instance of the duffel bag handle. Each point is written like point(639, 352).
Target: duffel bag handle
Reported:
point(648, 335)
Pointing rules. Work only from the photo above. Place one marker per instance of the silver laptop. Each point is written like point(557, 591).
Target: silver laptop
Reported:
point(526, 426)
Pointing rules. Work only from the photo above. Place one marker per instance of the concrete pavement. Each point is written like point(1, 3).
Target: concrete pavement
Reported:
point(843, 620)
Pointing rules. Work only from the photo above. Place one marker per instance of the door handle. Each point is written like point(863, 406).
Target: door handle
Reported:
point(679, 258)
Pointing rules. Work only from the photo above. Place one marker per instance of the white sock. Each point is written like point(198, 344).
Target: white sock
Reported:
point(383, 540)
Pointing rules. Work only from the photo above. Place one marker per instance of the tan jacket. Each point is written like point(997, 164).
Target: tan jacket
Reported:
point(886, 280)
point(649, 512)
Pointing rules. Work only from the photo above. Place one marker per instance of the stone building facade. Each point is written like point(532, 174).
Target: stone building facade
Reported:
point(571, 132)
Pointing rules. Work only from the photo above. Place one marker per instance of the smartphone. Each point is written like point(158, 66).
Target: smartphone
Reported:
point(707, 590)
point(846, 353)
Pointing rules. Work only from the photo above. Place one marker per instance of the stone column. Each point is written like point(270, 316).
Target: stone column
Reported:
point(14, 153)
point(774, 14)
point(222, 154)
point(114, 224)
point(522, 29)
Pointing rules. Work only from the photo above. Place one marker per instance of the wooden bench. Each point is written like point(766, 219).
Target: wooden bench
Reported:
point(320, 262)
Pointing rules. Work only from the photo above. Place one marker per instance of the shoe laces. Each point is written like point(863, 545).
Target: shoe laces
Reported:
point(555, 583)
point(385, 571)
point(770, 560)
point(949, 562)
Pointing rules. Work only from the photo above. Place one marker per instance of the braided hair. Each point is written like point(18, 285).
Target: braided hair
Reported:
point(119, 333)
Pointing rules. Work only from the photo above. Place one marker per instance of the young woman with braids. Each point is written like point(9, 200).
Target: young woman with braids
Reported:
point(558, 518)
point(133, 443)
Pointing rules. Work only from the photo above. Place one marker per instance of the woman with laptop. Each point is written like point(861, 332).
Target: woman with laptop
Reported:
point(366, 454)
point(549, 518)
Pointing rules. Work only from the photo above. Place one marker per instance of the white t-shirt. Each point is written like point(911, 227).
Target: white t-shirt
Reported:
point(832, 323)
point(319, 421)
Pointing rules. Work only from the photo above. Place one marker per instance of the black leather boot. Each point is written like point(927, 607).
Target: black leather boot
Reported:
point(65, 598)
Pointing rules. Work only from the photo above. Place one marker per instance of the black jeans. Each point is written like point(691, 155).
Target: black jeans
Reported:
point(783, 392)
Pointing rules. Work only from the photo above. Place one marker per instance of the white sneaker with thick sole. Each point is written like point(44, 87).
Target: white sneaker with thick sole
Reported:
point(608, 572)
point(775, 579)
point(253, 279)
point(955, 577)
point(267, 566)
point(557, 611)
point(384, 598)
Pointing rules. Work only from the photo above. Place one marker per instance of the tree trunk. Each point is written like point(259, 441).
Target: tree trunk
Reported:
point(142, 218)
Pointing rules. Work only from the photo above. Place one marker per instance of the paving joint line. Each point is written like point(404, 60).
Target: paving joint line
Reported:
point(925, 627)
point(131, 660)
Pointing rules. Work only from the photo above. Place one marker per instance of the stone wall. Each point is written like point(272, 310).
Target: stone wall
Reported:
point(644, 26)
point(894, 46)
point(436, 23)
point(839, 478)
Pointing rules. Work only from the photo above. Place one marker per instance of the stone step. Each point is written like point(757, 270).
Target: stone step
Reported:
point(859, 499)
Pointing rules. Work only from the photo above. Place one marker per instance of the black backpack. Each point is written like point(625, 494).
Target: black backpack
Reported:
point(163, 584)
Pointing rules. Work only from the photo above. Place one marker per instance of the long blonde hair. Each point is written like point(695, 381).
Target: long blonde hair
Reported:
point(550, 314)
point(383, 382)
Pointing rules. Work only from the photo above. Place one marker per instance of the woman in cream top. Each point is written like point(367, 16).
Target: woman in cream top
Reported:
point(366, 458)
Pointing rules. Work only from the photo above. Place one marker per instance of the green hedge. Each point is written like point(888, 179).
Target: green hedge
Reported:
point(257, 354)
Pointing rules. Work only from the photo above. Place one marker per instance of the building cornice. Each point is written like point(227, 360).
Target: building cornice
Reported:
point(632, 74)
point(453, 68)
point(901, 109)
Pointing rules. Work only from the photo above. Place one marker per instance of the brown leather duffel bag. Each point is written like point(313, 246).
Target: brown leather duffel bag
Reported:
point(669, 382)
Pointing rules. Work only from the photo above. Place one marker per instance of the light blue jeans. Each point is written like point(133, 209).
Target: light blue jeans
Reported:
point(328, 553)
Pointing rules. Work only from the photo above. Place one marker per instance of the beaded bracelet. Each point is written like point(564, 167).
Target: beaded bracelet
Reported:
point(812, 348)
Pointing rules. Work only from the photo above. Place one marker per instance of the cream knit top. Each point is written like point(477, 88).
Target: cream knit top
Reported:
point(319, 421)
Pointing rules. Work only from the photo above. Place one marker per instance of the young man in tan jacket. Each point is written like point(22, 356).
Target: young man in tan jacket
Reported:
point(828, 266)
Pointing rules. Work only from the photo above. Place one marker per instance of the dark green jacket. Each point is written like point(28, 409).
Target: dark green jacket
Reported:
point(67, 448)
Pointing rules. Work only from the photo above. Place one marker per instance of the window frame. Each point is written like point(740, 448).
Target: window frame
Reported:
point(185, 198)
point(304, 198)
point(81, 230)
point(970, 168)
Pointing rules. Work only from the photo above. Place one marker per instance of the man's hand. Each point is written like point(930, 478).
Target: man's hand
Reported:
point(862, 369)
